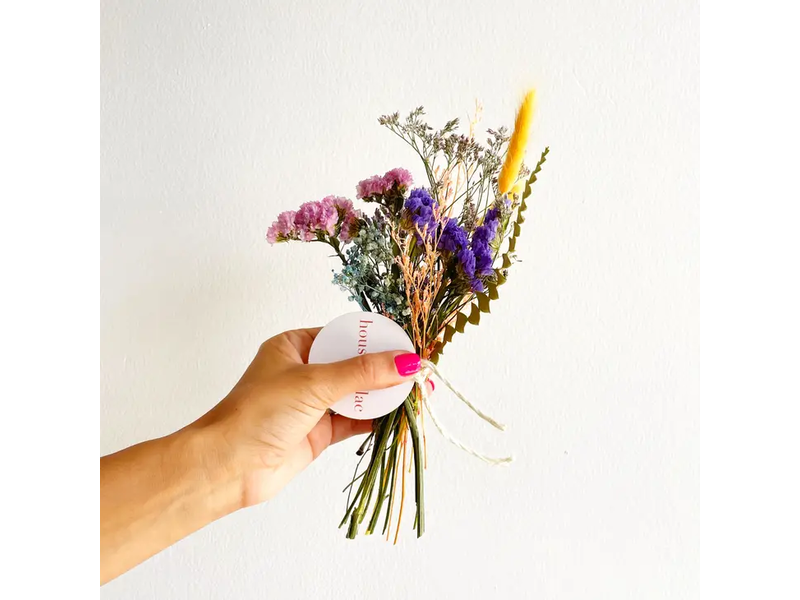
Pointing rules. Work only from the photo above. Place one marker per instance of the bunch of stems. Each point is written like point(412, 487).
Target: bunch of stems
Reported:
point(380, 489)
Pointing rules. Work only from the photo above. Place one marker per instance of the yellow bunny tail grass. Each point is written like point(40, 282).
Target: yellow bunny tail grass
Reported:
point(516, 146)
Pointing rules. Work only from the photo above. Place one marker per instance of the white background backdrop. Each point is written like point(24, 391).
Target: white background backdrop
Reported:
point(216, 116)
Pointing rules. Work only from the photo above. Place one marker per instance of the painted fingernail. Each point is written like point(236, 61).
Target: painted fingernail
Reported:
point(407, 364)
point(433, 385)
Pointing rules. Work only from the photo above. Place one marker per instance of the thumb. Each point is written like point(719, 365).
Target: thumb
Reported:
point(375, 371)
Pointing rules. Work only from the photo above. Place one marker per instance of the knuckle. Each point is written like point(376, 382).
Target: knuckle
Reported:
point(296, 389)
point(308, 379)
point(314, 384)
point(267, 345)
point(368, 369)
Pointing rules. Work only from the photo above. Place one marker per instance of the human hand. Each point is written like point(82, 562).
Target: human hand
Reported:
point(275, 421)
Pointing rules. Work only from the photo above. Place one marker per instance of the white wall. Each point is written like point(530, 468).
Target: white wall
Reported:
point(218, 115)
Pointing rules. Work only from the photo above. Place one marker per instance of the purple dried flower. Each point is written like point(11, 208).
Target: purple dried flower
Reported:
point(493, 214)
point(483, 261)
point(482, 238)
point(481, 235)
point(477, 285)
point(483, 253)
point(467, 266)
point(418, 211)
point(466, 261)
point(453, 238)
point(491, 221)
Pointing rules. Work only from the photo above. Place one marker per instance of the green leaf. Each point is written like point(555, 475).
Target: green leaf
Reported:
point(501, 279)
point(512, 244)
point(461, 322)
point(523, 206)
point(475, 315)
point(516, 229)
point(532, 178)
point(520, 219)
point(483, 302)
point(449, 332)
point(493, 295)
point(506, 261)
point(438, 350)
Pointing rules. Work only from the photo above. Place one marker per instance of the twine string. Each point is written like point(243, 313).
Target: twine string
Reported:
point(428, 368)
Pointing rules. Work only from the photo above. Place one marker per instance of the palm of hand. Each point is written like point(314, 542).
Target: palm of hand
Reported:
point(281, 419)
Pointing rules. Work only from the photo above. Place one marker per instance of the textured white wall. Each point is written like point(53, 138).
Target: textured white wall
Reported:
point(218, 115)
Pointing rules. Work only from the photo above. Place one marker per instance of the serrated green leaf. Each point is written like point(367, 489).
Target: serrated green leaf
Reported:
point(501, 279)
point(532, 178)
point(483, 302)
point(506, 261)
point(512, 244)
point(475, 315)
point(493, 295)
point(523, 206)
point(461, 322)
point(449, 332)
point(438, 349)
point(520, 219)
point(516, 229)
point(435, 358)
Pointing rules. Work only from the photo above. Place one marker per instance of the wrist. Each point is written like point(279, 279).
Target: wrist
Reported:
point(209, 461)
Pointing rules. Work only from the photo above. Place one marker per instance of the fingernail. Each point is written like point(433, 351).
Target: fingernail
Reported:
point(407, 364)
point(433, 385)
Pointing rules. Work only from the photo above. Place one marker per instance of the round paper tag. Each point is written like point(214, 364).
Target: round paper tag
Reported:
point(354, 334)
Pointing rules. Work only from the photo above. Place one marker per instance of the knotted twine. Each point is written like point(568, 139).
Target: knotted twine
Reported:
point(428, 368)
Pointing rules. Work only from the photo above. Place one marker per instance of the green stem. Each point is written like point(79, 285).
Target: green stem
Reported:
point(349, 509)
point(390, 479)
point(411, 417)
point(368, 482)
point(381, 494)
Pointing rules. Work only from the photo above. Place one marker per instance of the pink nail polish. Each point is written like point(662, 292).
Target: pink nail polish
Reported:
point(433, 385)
point(407, 364)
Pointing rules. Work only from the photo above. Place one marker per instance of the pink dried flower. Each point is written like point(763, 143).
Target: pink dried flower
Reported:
point(323, 217)
point(313, 217)
point(338, 202)
point(399, 177)
point(283, 228)
point(349, 226)
point(348, 216)
point(369, 187)
point(378, 185)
